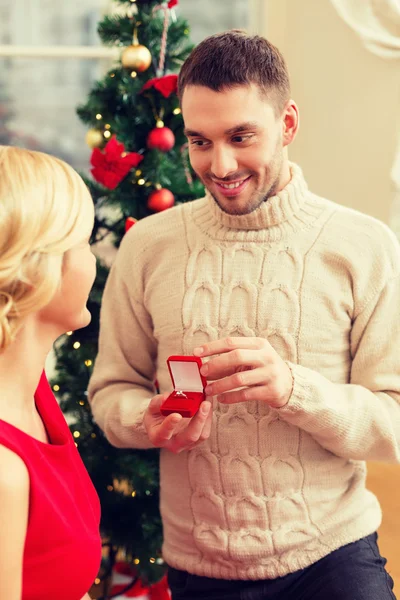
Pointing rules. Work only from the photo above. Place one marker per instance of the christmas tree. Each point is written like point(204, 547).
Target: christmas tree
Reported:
point(139, 166)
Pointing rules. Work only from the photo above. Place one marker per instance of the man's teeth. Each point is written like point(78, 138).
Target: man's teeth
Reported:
point(231, 186)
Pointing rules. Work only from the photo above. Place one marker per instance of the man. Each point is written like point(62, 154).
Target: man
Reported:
point(293, 303)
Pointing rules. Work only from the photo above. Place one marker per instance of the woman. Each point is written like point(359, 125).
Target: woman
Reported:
point(49, 511)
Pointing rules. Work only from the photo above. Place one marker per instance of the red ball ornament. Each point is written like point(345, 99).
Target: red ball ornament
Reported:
point(161, 138)
point(130, 221)
point(160, 200)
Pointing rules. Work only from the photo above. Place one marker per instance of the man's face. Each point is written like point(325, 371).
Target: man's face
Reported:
point(236, 143)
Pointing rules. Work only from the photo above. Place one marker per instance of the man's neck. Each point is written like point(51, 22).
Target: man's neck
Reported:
point(285, 176)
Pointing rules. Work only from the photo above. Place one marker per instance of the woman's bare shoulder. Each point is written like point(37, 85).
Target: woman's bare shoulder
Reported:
point(14, 514)
point(14, 475)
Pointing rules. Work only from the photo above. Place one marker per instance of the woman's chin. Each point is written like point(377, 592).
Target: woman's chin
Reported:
point(74, 324)
point(84, 320)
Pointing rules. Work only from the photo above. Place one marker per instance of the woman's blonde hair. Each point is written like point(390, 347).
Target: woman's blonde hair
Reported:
point(45, 210)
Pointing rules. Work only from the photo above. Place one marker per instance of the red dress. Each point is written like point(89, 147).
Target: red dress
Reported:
point(63, 547)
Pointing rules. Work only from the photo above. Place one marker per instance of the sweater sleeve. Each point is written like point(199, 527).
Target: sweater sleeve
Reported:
point(122, 383)
point(359, 420)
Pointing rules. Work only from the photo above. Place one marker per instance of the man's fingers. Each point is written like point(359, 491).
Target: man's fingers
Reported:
point(174, 432)
point(156, 402)
point(205, 434)
point(194, 429)
point(259, 393)
point(241, 379)
point(164, 431)
point(189, 436)
point(228, 344)
point(232, 362)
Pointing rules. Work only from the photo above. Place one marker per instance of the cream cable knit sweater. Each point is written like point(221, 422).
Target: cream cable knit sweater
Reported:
point(271, 491)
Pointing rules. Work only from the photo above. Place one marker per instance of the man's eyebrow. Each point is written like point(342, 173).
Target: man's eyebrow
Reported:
point(242, 127)
point(236, 129)
point(192, 133)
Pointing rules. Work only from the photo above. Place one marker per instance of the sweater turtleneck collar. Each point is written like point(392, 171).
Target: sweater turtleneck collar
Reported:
point(286, 210)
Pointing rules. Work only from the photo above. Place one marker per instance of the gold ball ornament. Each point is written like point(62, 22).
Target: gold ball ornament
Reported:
point(136, 58)
point(94, 138)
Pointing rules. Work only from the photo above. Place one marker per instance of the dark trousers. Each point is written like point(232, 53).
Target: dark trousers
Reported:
point(354, 572)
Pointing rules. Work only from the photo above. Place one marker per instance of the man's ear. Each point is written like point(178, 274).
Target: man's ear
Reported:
point(290, 122)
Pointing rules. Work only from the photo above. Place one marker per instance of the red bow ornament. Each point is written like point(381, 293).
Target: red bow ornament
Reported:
point(112, 166)
point(166, 85)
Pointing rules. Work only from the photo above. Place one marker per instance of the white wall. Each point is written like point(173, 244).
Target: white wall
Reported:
point(349, 103)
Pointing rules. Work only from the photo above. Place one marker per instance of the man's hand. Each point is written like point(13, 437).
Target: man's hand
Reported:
point(248, 363)
point(174, 432)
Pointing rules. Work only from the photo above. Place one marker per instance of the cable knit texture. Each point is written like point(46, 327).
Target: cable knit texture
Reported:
point(271, 491)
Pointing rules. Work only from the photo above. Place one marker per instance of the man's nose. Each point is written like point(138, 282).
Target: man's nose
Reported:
point(223, 163)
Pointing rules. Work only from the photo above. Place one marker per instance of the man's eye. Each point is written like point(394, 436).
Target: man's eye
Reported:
point(238, 139)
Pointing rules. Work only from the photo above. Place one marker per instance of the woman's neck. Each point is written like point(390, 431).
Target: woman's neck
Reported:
point(21, 365)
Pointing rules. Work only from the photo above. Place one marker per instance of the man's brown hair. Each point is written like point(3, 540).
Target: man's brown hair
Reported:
point(232, 58)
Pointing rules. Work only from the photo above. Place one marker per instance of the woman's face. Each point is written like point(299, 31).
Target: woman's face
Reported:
point(67, 310)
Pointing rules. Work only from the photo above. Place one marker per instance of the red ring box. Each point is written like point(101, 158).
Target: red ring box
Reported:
point(188, 384)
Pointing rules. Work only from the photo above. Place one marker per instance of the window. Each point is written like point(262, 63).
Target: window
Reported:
point(50, 56)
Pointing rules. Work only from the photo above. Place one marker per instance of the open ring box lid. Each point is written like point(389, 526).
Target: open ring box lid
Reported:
point(188, 385)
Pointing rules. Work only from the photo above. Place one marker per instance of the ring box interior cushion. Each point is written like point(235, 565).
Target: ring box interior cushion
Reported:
point(188, 385)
